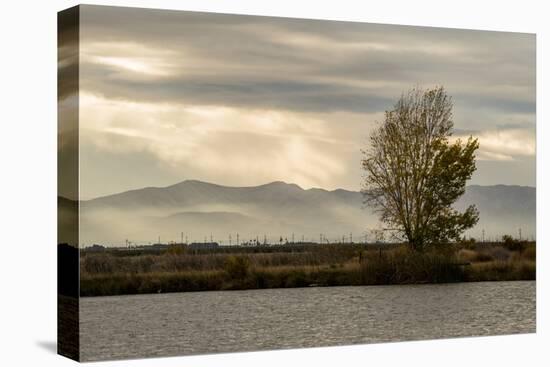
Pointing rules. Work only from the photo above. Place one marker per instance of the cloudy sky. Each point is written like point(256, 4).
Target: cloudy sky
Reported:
point(239, 100)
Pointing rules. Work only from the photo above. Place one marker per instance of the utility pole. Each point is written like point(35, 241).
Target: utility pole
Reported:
point(351, 237)
point(182, 238)
point(520, 234)
point(320, 238)
point(237, 239)
point(159, 240)
point(293, 238)
point(230, 239)
point(483, 235)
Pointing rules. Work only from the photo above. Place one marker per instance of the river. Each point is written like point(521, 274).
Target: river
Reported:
point(231, 321)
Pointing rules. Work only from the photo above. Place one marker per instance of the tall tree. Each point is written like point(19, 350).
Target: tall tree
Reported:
point(414, 171)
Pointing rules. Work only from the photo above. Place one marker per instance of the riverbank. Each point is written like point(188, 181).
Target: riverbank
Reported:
point(178, 270)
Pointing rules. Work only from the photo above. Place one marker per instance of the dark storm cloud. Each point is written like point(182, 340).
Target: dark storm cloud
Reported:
point(250, 92)
point(296, 64)
point(498, 103)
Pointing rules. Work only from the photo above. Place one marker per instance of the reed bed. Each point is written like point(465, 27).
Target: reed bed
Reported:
point(108, 273)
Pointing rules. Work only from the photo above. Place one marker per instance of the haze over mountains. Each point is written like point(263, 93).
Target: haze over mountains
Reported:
point(201, 210)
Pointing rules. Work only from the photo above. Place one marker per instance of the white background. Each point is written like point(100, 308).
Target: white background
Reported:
point(28, 182)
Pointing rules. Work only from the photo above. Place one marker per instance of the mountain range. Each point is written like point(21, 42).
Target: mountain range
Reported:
point(202, 211)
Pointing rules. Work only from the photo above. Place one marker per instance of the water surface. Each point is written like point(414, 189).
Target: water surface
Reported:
point(231, 321)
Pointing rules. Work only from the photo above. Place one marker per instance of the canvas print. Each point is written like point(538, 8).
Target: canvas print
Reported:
point(235, 183)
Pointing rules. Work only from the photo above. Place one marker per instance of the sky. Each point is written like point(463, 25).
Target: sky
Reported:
point(237, 100)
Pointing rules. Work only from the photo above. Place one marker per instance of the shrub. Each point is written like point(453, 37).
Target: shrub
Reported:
point(237, 267)
point(474, 256)
point(468, 244)
point(499, 253)
point(530, 252)
point(513, 245)
point(502, 270)
point(467, 255)
point(402, 265)
point(175, 250)
point(97, 264)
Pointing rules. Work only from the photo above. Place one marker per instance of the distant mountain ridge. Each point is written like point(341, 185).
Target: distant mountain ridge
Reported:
point(277, 209)
point(192, 191)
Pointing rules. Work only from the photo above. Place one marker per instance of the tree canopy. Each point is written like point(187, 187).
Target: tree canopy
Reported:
point(415, 170)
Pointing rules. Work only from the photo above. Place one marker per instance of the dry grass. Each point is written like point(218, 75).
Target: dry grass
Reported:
point(502, 270)
point(109, 273)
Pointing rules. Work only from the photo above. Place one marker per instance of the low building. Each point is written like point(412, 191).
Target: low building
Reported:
point(203, 245)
